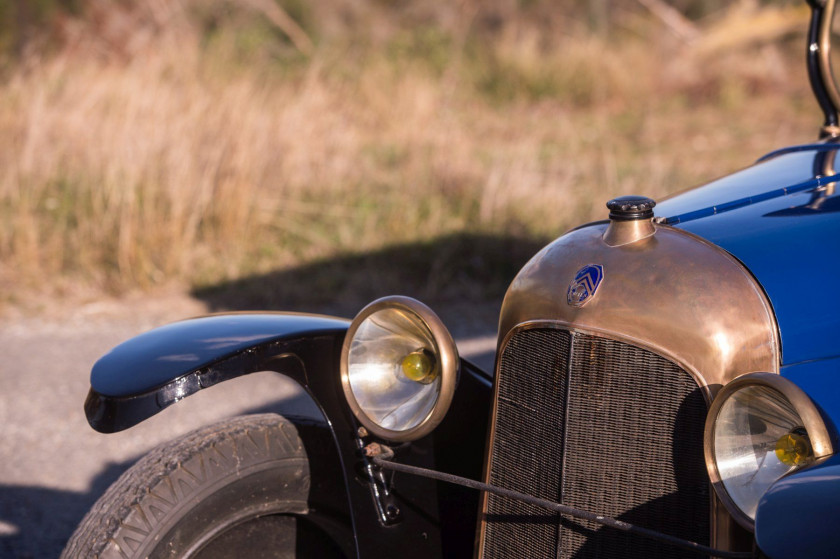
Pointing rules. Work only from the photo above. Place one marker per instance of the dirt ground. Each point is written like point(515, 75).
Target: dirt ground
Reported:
point(53, 466)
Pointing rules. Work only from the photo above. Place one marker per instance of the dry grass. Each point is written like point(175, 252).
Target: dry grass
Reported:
point(184, 160)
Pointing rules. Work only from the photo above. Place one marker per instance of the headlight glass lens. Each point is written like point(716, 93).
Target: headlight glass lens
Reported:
point(393, 369)
point(758, 438)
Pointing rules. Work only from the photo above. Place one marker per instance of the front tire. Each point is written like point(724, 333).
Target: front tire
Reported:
point(235, 489)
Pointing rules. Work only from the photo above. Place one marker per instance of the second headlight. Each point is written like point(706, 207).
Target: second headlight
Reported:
point(760, 428)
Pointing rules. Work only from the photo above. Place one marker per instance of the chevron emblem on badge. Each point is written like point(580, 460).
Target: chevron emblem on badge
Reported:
point(585, 284)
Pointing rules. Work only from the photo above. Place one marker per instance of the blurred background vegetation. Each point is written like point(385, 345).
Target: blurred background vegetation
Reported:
point(149, 143)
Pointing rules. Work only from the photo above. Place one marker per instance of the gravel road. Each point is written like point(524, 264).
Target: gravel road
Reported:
point(54, 466)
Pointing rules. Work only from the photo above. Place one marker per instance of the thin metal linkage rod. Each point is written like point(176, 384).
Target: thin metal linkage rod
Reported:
point(382, 462)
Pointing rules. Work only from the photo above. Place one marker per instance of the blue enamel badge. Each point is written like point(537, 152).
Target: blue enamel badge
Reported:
point(585, 284)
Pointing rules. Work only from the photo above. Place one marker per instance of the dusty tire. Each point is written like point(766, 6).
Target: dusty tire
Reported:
point(237, 488)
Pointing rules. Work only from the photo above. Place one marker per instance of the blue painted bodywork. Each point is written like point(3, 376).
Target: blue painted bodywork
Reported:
point(797, 516)
point(819, 380)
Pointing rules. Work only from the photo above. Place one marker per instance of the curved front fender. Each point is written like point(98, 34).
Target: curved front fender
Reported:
point(154, 370)
point(796, 517)
point(146, 374)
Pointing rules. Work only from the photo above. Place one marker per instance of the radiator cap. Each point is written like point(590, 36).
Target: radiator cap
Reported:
point(631, 208)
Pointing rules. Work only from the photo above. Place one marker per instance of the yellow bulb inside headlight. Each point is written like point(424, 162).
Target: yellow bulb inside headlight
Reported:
point(419, 366)
point(794, 448)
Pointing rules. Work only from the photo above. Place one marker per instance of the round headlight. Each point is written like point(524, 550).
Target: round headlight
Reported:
point(399, 367)
point(760, 427)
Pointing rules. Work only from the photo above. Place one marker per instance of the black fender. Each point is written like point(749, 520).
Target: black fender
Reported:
point(152, 371)
point(796, 517)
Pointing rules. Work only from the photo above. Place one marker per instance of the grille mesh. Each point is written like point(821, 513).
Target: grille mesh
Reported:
point(600, 425)
point(529, 450)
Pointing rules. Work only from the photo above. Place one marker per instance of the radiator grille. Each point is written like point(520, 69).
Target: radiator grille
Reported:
point(600, 425)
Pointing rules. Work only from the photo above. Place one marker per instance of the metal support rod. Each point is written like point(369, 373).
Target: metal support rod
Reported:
point(383, 462)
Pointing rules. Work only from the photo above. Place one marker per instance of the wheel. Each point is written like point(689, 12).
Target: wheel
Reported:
point(235, 489)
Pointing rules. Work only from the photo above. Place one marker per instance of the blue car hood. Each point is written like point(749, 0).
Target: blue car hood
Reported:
point(781, 219)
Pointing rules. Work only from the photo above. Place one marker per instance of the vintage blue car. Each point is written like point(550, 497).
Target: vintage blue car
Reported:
point(666, 385)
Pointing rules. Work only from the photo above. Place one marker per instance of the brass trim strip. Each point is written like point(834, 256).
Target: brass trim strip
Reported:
point(565, 434)
point(488, 449)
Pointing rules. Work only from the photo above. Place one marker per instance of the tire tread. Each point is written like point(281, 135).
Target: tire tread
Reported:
point(157, 476)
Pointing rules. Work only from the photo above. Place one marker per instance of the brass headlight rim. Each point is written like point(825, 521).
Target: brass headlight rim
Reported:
point(447, 355)
point(803, 405)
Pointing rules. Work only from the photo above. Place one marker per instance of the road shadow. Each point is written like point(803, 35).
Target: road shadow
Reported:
point(463, 277)
point(39, 520)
